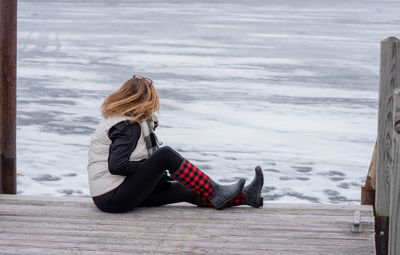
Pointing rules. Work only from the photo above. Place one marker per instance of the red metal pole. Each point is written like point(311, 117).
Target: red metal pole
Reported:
point(8, 83)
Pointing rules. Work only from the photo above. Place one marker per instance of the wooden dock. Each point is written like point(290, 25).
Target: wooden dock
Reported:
point(49, 225)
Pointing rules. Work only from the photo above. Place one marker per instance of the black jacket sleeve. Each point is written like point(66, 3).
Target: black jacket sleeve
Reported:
point(124, 138)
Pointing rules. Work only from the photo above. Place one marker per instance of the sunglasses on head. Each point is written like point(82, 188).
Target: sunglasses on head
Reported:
point(144, 78)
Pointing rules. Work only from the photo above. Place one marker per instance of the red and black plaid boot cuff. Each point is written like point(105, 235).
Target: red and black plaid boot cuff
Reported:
point(240, 199)
point(195, 179)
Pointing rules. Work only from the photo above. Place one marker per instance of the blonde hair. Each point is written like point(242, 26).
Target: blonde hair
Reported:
point(137, 98)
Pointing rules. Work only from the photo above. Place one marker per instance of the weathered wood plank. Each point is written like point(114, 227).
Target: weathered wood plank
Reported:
point(96, 229)
point(389, 80)
point(167, 245)
point(205, 240)
point(194, 217)
point(210, 239)
point(171, 249)
point(314, 209)
point(394, 217)
point(235, 211)
point(34, 225)
point(316, 225)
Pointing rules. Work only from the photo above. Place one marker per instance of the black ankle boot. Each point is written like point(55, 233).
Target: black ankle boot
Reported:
point(252, 191)
point(224, 193)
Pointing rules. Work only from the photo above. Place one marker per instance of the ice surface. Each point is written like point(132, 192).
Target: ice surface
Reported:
point(288, 85)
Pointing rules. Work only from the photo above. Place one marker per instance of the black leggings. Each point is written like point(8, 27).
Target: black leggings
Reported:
point(147, 186)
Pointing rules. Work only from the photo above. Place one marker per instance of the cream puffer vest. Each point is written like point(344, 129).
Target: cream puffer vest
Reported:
point(100, 179)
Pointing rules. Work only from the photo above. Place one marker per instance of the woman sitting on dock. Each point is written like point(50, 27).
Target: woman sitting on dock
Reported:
point(127, 168)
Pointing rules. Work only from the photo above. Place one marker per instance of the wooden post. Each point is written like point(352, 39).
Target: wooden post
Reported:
point(389, 81)
point(368, 191)
point(8, 82)
point(394, 218)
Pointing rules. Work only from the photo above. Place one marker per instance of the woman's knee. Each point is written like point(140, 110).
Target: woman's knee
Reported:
point(168, 152)
point(170, 156)
point(166, 149)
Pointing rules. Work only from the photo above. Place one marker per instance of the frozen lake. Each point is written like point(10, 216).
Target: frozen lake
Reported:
point(288, 85)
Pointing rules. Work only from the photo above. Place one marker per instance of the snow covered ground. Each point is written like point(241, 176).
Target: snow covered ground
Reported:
point(288, 85)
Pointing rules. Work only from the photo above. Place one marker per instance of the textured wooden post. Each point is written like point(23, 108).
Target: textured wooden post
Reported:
point(8, 77)
point(389, 81)
point(394, 218)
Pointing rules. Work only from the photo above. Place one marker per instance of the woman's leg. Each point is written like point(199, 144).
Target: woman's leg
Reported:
point(176, 193)
point(139, 185)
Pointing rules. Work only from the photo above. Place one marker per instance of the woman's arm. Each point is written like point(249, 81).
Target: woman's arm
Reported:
point(124, 137)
